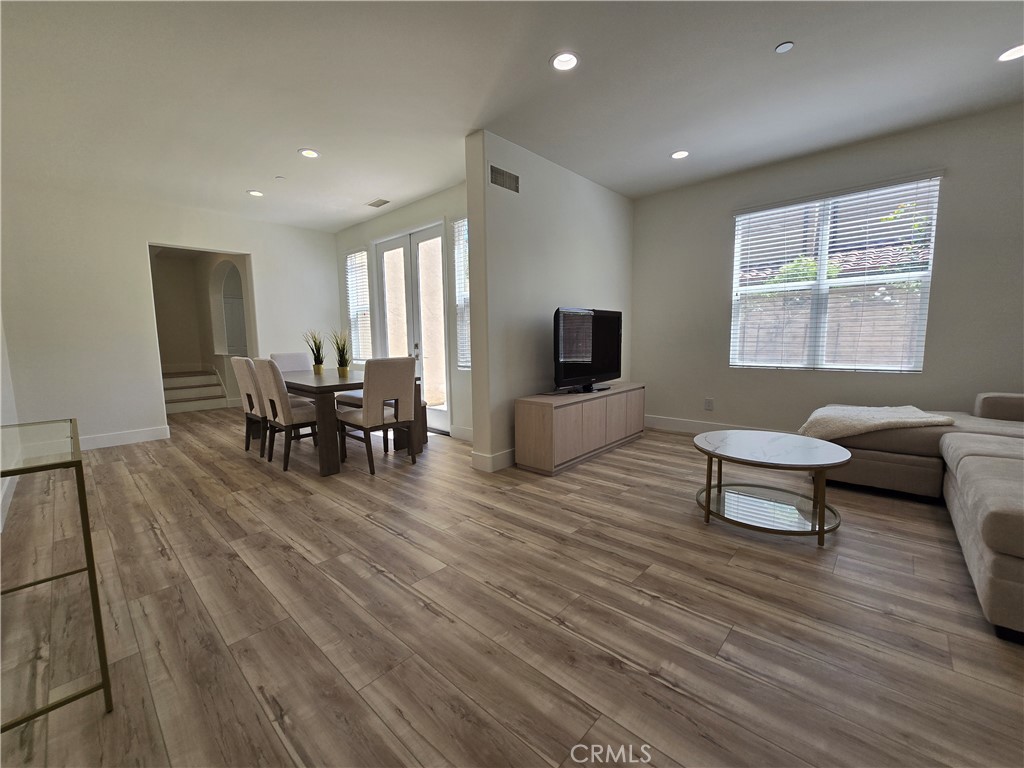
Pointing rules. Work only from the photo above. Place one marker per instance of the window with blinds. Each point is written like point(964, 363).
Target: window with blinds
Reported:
point(838, 284)
point(358, 282)
point(460, 237)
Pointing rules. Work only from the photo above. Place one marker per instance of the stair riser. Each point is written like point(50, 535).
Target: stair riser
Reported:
point(198, 405)
point(189, 381)
point(191, 393)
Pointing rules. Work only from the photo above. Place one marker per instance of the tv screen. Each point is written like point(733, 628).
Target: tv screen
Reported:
point(588, 347)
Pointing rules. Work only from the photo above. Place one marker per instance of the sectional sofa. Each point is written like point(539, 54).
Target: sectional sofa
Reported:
point(977, 463)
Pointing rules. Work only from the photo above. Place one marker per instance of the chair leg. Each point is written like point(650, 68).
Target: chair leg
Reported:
point(342, 447)
point(248, 433)
point(315, 443)
point(384, 433)
point(369, 451)
point(288, 436)
point(271, 433)
point(263, 438)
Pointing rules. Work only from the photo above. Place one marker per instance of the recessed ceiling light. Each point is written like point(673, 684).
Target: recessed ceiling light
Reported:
point(564, 60)
point(680, 154)
point(254, 192)
point(785, 47)
point(1013, 53)
point(307, 152)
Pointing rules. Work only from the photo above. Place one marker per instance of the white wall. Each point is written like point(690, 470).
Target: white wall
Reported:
point(682, 272)
point(177, 313)
point(78, 301)
point(561, 241)
point(445, 207)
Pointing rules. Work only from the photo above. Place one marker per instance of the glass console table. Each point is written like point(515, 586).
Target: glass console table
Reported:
point(43, 446)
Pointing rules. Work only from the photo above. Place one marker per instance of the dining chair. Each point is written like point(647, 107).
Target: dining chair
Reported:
point(285, 413)
point(352, 398)
point(252, 401)
point(389, 386)
point(293, 361)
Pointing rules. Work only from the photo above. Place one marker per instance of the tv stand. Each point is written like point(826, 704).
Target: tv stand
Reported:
point(554, 433)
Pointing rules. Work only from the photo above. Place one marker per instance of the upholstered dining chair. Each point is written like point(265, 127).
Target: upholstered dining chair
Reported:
point(285, 413)
point(293, 361)
point(252, 402)
point(389, 386)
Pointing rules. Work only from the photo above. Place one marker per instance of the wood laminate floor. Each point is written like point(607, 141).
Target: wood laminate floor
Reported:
point(433, 615)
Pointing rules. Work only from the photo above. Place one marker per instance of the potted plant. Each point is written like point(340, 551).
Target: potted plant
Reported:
point(315, 342)
point(340, 341)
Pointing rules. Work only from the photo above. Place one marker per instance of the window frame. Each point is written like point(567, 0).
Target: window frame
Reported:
point(367, 306)
point(823, 212)
point(462, 296)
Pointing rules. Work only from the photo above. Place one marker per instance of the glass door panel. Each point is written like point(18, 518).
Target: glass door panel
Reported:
point(412, 293)
point(431, 330)
point(393, 261)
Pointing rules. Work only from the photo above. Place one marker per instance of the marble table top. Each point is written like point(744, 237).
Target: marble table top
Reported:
point(780, 450)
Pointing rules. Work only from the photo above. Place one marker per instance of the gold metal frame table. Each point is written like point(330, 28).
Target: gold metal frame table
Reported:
point(42, 446)
point(764, 508)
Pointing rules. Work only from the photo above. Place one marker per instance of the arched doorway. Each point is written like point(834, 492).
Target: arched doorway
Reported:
point(233, 304)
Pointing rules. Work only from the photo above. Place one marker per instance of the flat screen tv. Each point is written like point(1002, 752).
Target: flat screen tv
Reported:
point(588, 348)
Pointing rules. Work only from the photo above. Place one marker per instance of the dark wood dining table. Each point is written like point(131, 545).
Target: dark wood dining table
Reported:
point(321, 388)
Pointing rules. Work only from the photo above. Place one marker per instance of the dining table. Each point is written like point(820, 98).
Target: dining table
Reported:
point(321, 388)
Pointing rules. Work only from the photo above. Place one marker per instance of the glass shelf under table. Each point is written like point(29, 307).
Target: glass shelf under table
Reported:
point(38, 445)
point(767, 509)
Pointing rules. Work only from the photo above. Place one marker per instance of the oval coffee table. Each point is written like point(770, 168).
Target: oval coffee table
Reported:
point(763, 508)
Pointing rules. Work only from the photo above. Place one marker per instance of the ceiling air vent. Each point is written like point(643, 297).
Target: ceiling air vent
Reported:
point(380, 202)
point(504, 178)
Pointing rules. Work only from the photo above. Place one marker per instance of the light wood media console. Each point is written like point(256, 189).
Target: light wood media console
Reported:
point(556, 431)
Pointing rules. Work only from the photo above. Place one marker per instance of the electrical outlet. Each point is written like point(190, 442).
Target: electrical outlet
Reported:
point(709, 403)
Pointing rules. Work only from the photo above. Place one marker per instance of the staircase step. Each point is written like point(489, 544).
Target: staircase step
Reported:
point(203, 404)
point(189, 380)
point(192, 392)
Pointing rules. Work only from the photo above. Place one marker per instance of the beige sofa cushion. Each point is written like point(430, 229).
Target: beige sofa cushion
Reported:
point(991, 489)
point(1000, 405)
point(958, 446)
point(998, 578)
point(924, 441)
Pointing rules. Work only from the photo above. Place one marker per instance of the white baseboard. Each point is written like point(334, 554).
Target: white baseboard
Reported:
point(124, 438)
point(461, 433)
point(493, 462)
point(687, 426)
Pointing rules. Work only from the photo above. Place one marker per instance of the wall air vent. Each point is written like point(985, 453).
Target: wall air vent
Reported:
point(380, 202)
point(505, 179)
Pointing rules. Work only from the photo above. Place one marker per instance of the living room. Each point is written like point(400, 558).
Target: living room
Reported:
point(77, 312)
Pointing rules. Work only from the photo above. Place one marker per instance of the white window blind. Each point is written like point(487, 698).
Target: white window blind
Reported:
point(839, 284)
point(460, 236)
point(357, 280)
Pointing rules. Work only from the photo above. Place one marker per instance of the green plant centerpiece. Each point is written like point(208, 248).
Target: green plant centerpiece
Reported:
point(315, 342)
point(341, 350)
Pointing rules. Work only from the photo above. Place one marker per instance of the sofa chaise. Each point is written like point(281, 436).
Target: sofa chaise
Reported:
point(977, 463)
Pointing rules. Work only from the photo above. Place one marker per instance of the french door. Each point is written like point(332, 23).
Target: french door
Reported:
point(411, 297)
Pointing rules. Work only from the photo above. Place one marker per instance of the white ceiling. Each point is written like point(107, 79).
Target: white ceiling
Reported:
point(193, 103)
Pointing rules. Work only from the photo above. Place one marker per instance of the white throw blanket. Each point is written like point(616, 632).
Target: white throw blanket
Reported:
point(834, 421)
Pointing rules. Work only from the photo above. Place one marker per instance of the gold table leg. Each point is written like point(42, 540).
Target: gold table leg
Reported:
point(819, 504)
point(707, 490)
